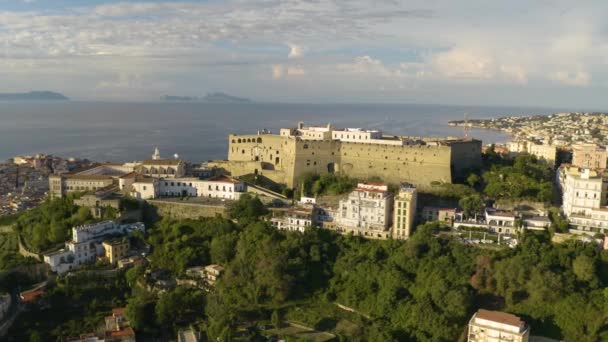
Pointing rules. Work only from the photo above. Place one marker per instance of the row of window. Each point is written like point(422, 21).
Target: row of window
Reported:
point(248, 140)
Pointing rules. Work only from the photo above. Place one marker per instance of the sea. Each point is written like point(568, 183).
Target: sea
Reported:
point(120, 132)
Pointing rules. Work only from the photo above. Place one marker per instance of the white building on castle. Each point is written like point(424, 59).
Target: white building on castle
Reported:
point(367, 208)
point(215, 187)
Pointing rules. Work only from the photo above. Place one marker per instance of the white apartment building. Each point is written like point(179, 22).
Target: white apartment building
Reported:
point(308, 133)
point(298, 219)
point(221, 187)
point(584, 198)
point(496, 326)
point(86, 244)
point(404, 212)
point(356, 135)
point(214, 187)
point(547, 153)
point(582, 190)
point(368, 207)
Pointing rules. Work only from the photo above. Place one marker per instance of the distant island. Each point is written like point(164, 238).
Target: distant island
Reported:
point(179, 98)
point(217, 97)
point(33, 96)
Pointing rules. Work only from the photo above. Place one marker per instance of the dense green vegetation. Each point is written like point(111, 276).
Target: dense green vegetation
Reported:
point(9, 255)
point(49, 224)
point(424, 289)
point(313, 184)
point(526, 178)
point(182, 244)
point(75, 305)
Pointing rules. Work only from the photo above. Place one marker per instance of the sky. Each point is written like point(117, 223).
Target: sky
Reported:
point(517, 53)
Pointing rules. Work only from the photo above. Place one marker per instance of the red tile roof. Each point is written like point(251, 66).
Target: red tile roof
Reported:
point(123, 332)
point(118, 311)
point(31, 295)
point(500, 317)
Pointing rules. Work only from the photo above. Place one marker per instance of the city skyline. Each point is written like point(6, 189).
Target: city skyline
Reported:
point(525, 53)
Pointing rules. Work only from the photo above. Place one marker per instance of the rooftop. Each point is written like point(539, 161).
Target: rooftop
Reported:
point(123, 332)
point(161, 162)
point(223, 179)
point(31, 295)
point(215, 267)
point(130, 175)
point(500, 317)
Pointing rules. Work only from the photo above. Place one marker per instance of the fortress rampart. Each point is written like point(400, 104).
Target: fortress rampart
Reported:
point(284, 158)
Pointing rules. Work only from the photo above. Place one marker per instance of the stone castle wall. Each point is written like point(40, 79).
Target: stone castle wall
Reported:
point(284, 160)
point(184, 210)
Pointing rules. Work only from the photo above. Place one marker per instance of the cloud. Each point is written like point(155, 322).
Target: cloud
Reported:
point(515, 73)
point(366, 65)
point(362, 45)
point(295, 51)
point(577, 78)
point(464, 64)
point(281, 71)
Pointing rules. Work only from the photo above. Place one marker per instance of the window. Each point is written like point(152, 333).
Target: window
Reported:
point(144, 188)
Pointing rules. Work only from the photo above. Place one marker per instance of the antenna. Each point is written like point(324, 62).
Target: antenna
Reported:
point(466, 125)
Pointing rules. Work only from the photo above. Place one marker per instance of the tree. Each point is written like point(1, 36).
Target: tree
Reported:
point(140, 312)
point(247, 209)
point(276, 319)
point(223, 248)
point(110, 213)
point(471, 205)
point(584, 268)
point(473, 180)
point(134, 273)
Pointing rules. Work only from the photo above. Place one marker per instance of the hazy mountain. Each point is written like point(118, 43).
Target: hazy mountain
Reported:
point(179, 98)
point(224, 98)
point(33, 96)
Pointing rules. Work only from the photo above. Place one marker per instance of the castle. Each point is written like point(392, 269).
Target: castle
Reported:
point(356, 152)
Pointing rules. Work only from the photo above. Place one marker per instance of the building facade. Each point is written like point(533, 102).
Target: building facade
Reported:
point(546, 153)
point(404, 212)
point(86, 244)
point(296, 219)
point(367, 208)
point(116, 248)
point(486, 325)
point(589, 156)
point(445, 215)
point(215, 187)
point(359, 153)
point(584, 198)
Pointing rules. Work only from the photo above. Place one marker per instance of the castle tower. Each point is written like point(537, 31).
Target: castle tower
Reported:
point(156, 155)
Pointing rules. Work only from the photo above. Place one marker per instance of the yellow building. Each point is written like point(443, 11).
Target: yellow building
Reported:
point(404, 212)
point(116, 248)
point(59, 185)
point(358, 153)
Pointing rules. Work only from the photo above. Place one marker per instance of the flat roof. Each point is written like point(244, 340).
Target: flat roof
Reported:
point(223, 179)
point(500, 317)
point(161, 162)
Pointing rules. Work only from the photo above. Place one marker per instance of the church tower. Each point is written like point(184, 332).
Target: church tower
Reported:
point(156, 155)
